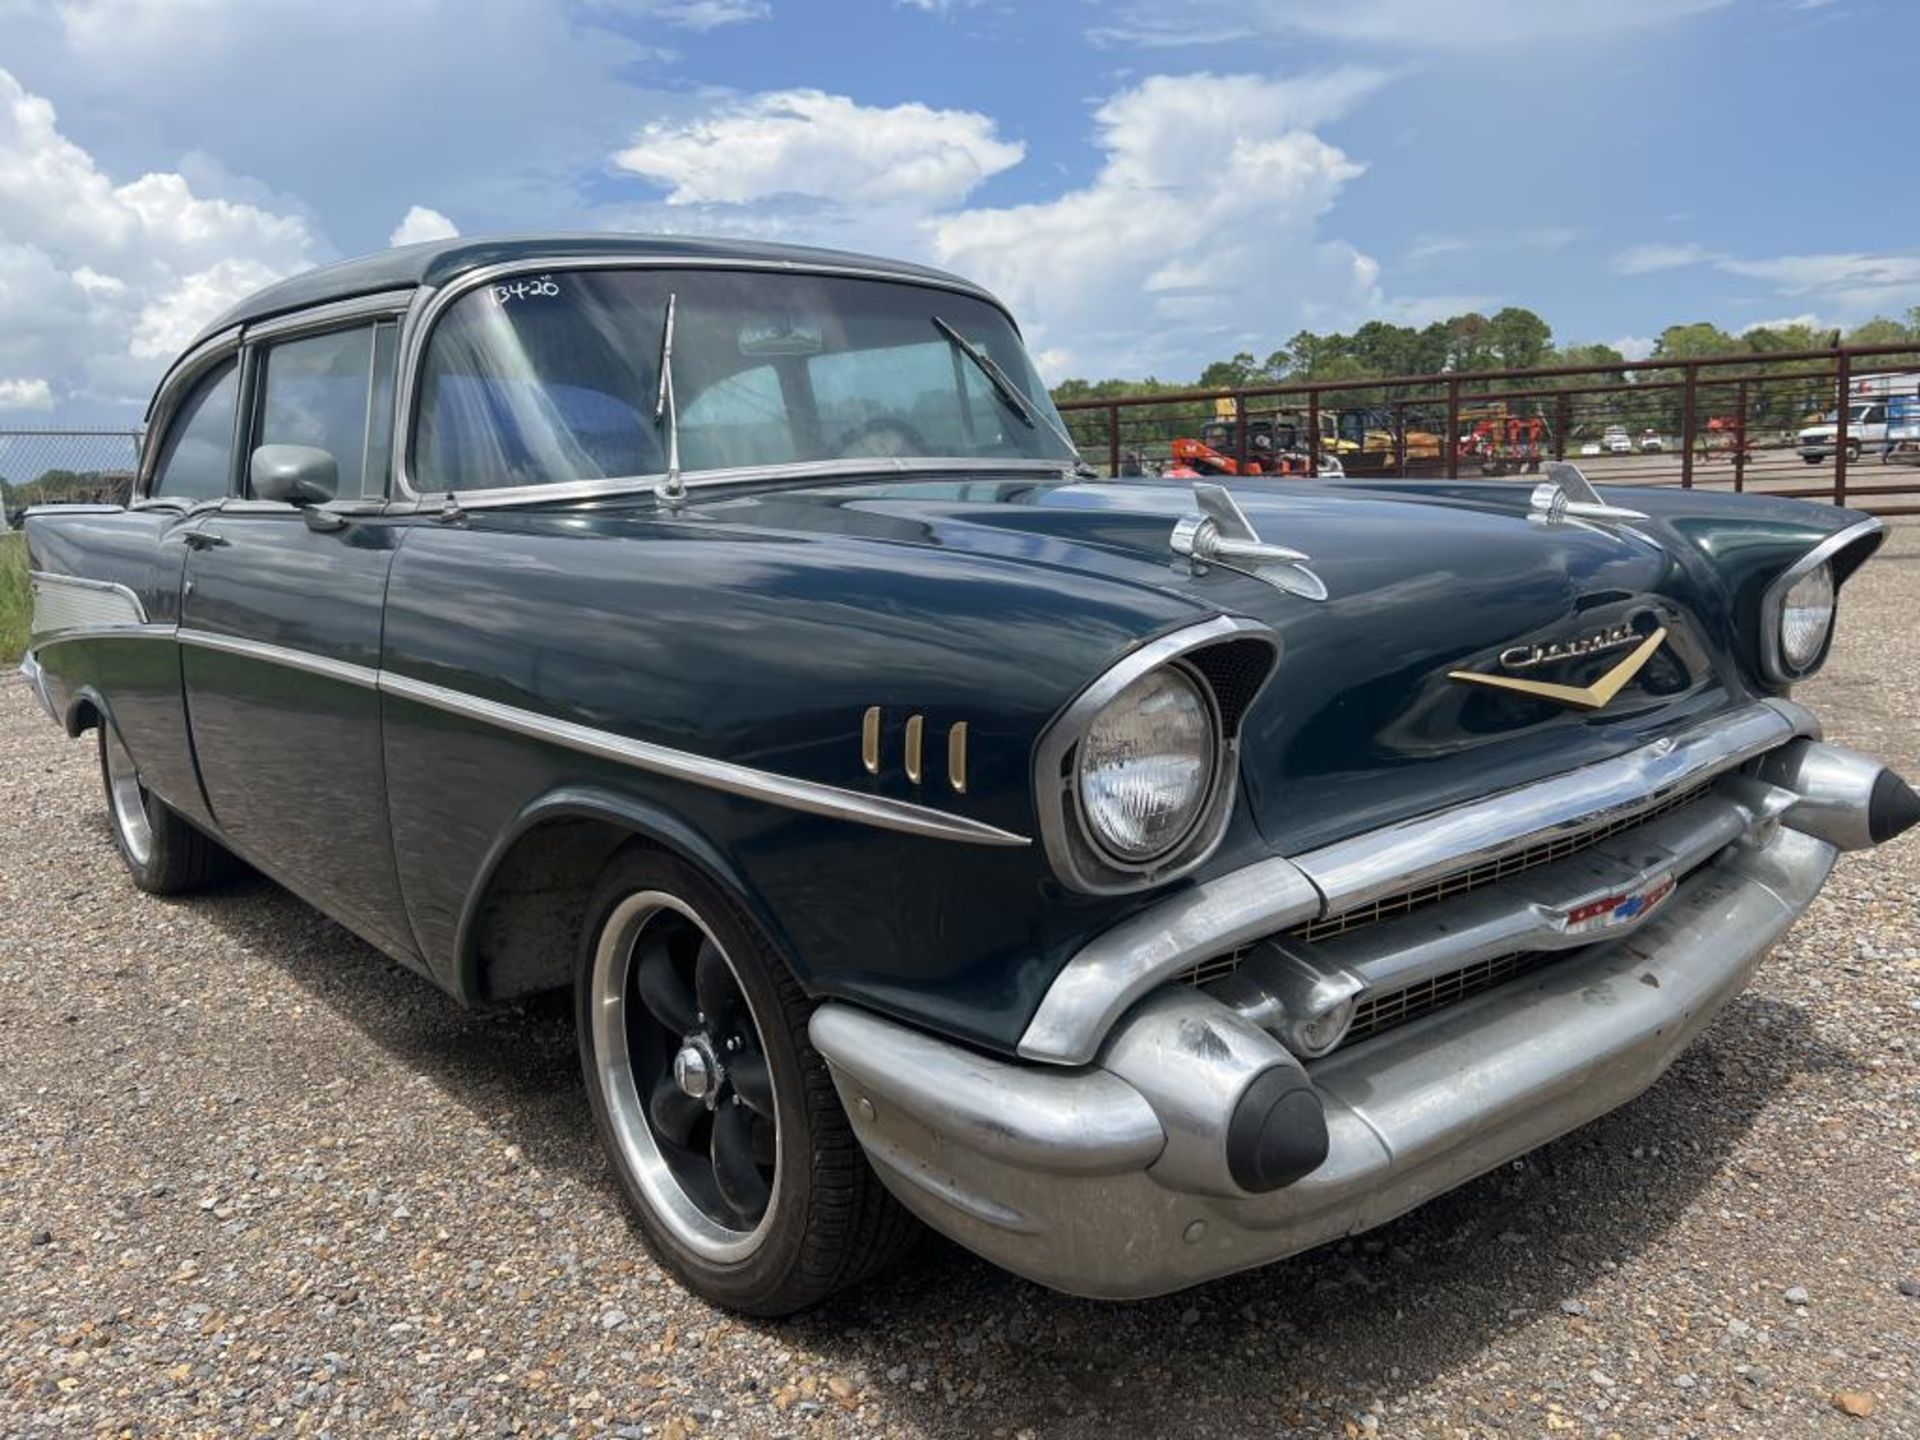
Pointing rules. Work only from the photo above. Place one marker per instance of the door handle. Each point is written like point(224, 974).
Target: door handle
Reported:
point(204, 539)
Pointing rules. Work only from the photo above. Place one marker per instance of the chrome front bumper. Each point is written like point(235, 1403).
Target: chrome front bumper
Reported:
point(1108, 1178)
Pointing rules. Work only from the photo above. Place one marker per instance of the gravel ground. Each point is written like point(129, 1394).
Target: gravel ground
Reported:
point(255, 1178)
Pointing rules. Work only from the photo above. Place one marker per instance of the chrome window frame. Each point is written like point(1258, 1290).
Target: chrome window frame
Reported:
point(1773, 660)
point(180, 380)
point(1083, 864)
point(431, 304)
point(368, 311)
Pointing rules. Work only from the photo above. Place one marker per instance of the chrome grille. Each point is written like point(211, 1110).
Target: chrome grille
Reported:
point(1491, 872)
point(1395, 1007)
point(1459, 883)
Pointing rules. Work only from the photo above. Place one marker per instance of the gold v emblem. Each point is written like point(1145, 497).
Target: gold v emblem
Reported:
point(1592, 697)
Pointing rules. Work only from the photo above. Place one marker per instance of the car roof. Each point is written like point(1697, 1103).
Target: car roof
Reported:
point(435, 262)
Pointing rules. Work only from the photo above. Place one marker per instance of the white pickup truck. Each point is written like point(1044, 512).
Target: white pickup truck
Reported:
point(1866, 425)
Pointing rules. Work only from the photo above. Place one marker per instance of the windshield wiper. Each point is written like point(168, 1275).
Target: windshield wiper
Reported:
point(1008, 392)
point(665, 406)
point(1002, 383)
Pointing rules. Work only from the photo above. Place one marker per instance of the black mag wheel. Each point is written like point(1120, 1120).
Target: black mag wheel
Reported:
point(723, 1127)
point(684, 1075)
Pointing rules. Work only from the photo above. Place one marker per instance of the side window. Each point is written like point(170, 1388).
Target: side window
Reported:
point(316, 391)
point(196, 458)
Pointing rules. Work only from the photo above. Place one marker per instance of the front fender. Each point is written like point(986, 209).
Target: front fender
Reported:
point(1737, 545)
point(627, 817)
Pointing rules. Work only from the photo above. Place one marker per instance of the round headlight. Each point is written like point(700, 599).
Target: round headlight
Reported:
point(1806, 616)
point(1146, 767)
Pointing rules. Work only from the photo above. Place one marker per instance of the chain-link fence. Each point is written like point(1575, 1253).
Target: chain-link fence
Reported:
point(39, 467)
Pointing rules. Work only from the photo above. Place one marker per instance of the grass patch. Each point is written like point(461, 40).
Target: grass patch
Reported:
point(16, 603)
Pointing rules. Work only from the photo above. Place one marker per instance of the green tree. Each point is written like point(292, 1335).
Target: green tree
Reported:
point(1520, 338)
point(1880, 331)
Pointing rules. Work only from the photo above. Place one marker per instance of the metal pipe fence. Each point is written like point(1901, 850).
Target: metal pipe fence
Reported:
point(40, 467)
point(1841, 425)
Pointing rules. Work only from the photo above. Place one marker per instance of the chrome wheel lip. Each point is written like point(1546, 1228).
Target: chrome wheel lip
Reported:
point(127, 800)
point(626, 1106)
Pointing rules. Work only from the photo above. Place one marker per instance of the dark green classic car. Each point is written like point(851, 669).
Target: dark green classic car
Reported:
point(1134, 881)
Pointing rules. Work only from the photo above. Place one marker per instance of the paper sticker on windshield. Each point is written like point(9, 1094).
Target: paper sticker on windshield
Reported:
point(788, 334)
point(543, 288)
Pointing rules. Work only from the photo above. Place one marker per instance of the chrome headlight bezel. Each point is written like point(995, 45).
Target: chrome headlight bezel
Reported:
point(1228, 661)
point(1839, 554)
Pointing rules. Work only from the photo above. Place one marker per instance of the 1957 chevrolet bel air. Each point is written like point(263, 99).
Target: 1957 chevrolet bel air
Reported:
point(1135, 882)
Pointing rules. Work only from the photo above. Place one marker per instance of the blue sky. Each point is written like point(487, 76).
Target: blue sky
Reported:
point(1151, 185)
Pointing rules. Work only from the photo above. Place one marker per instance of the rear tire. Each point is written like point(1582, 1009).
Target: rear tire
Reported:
point(723, 1127)
point(163, 853)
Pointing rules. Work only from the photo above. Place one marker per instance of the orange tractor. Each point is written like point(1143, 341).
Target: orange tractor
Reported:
point(1272, 449)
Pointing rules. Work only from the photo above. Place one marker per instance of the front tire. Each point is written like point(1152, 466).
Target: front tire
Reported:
point(163, 853)
point(721, 1122)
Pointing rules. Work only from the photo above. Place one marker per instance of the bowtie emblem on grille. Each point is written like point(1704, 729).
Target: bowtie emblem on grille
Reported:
point(1581, 697)
point(1618, 909)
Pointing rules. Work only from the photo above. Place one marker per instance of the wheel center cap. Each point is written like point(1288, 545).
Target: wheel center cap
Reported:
point(695, 1070)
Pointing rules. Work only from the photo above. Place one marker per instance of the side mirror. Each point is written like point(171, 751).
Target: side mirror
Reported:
point(297, 474)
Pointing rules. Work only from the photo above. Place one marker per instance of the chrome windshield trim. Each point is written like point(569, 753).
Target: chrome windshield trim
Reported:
point(562, 492)
point(809, 796)
point(304, 660)
point(1115, 969)
point(1774, 598)
point(1404, 856)
point(429, 305)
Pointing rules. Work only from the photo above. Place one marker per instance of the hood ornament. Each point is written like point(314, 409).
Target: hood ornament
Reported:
point(1221, 534)
point(1567, 494)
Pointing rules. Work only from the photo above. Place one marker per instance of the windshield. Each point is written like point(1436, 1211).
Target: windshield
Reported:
point(553, 378)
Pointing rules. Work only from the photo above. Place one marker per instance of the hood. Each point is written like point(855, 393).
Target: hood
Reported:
point(1362, 724)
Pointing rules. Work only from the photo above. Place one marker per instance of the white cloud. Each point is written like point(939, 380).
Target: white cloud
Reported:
point(1636, 347)
point(1424, 249)
point(1787, 322)
point(1660, 255)
point(807, 142)
point(1407, 24)
point(31, 393)
point(939, 7)
point(1854, 279)
point(1851, 285)
point(692, 14)
point(101, 282)
point(422, 223)
point(1161, 263)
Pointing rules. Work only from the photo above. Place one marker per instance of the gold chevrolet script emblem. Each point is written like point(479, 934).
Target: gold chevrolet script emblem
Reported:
point(1589, 697)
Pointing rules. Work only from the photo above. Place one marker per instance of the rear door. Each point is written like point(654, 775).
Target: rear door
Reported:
point(281, 631)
